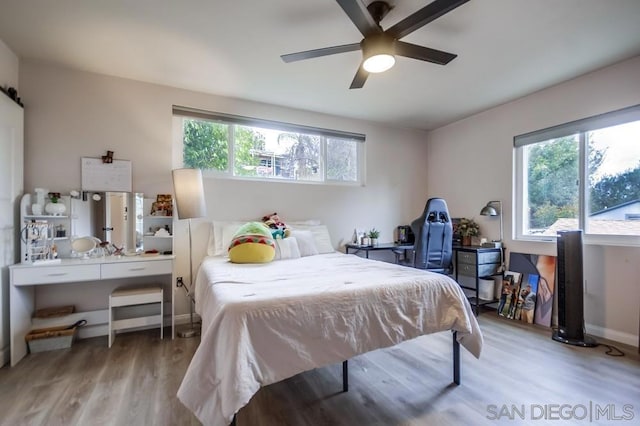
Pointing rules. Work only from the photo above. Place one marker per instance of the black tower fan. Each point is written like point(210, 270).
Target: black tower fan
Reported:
point(570, 295)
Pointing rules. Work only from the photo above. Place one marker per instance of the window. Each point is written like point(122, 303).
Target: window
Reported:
point(581, 175)
point(240, 147)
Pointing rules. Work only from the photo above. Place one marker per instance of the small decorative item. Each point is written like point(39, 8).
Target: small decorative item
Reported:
point(54, 207)
point(40, 195)
point(467, 228)
point(108, 159)
point(36, 209)
point(373, 236)
point(163, 206)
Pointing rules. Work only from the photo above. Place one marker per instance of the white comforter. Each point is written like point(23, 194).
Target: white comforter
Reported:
point(265, 323)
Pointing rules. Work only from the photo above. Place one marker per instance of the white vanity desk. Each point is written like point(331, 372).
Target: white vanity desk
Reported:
point(25, 277)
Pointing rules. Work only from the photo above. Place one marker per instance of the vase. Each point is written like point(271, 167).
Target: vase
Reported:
point(466, 240)
point(36, 209)
point(55, 209)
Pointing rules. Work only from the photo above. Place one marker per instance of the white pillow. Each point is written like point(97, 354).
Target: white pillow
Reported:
point(287, 248)
point(320, 234)
point(220, 236)
point(306, 244)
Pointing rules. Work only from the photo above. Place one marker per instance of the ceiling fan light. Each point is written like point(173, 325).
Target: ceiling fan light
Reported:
point(379, 63)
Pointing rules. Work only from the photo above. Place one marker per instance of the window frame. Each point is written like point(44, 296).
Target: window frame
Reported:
point(179, 113)
point(581, 128)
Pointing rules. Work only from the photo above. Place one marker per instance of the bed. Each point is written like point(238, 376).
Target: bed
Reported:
point(262, 323)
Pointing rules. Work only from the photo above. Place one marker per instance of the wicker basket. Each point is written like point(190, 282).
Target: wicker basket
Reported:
point(48, 339)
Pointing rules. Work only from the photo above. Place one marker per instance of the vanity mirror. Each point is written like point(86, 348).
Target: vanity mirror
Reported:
point(115, 217)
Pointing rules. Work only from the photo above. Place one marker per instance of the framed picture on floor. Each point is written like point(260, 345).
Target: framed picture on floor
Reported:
point(509, 294)
point(542, 269)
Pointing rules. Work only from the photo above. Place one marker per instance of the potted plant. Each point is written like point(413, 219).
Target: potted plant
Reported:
point(53, 207)
point(373, 236)
point(467, 228)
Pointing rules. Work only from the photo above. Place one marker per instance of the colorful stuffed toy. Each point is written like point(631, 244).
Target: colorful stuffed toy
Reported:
point(278, 228)
point(252, 243)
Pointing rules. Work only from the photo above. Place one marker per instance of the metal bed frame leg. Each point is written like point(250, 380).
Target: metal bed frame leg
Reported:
point(345, 376)
point(456, 359)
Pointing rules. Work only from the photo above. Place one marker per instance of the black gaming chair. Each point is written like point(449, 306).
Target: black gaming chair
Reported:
point(434, 238)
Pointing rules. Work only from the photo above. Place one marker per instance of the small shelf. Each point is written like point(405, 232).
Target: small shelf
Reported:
point(158, 217)
point(44, 216)
point(480, 302)
point(159, 237)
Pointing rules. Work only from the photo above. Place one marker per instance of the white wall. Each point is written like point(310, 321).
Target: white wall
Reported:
point(8, 67)
point(73, 114)
point(474, 157)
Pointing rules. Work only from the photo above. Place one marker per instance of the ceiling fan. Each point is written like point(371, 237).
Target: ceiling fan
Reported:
point(379, 46)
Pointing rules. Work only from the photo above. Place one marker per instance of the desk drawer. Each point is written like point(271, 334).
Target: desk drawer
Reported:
point(483, 270)
point(55, 274)
point(136, 269)
point(470, 257)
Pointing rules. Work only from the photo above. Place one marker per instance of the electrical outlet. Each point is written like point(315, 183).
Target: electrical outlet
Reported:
point(179, 282)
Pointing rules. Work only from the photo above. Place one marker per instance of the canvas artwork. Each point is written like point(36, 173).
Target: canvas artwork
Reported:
point(527, 298)
point(509, 294)
point(538, 272)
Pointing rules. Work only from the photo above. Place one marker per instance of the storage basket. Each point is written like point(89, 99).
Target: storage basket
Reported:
point(48, 339)
point(485, 289)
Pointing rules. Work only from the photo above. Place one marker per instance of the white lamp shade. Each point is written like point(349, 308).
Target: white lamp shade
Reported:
point(189, 192)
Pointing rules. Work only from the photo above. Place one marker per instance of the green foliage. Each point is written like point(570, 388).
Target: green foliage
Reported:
point(553, 180)
point(613, 190)
point(205, 145)
point(248, 141)
point(546, 214)
point(467, 228)
point(374, 233)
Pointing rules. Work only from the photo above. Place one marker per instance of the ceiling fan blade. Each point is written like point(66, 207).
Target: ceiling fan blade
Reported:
point(316, 53)
point(359, 79)
point(360, 16)
point(429, 13)
point(423, 53)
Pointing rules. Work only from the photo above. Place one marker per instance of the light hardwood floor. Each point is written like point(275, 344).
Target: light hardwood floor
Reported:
point(135, 382)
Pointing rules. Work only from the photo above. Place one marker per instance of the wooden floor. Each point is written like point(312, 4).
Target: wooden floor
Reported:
point(135, 382)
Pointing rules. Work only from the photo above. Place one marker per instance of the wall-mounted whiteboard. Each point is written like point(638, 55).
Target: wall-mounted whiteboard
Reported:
point(99, 176)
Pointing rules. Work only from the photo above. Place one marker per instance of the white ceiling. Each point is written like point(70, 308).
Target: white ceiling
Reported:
point(506, 49)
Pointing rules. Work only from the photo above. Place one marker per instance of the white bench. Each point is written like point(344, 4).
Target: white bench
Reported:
point(132, 297)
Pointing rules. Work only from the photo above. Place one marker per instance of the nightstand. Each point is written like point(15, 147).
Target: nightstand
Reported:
point(473, 263)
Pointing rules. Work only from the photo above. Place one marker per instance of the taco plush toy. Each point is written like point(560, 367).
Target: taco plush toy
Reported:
point(252, 243)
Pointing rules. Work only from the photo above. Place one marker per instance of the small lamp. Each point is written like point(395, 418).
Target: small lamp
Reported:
point(489, 210)
point(190, 204)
